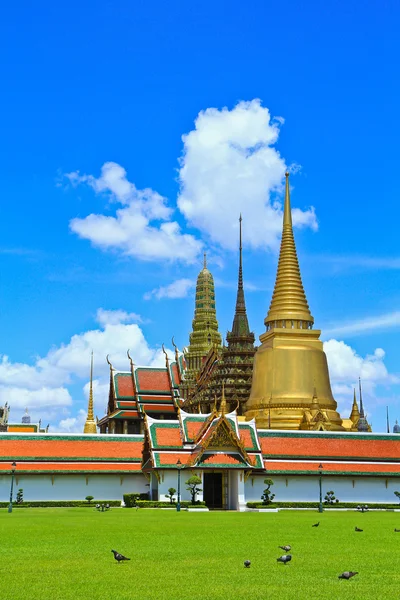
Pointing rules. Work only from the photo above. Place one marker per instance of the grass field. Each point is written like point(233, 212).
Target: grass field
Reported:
point(62, 554)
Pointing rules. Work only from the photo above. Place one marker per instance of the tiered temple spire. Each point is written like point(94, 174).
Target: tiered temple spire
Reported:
point(231, 368)
point(205, 335)
point(90, 424)
point(362, 424)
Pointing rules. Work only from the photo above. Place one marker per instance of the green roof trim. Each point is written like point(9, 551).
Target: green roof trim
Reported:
point(268, 433)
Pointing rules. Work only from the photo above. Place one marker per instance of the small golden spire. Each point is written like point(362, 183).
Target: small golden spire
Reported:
point(205, 260)
point(90, 424)
point(222, 407)
point(355, 413)
point(289, 303)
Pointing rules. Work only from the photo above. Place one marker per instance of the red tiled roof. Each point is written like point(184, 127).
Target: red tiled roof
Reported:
point(246, 437)
point(217, 459)
point(76, 466)
point(193, 428)
point(164, 459)
point(153, 380)
point(167, 437)
point(160, 408)
point(342, 467)
point(64, 448)
point(124, 385)
point(22, 428)
point(341, 447)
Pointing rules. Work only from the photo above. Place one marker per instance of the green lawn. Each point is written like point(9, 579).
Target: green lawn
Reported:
point(58, 554)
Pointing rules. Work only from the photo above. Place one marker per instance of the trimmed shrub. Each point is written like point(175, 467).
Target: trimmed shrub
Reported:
point(59, 503)
point(158, 503)
point(316, 505)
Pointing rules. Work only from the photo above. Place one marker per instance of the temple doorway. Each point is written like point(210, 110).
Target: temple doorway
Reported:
point(212, 492)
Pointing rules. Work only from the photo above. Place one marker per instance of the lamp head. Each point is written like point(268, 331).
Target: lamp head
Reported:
point(14, 466)
point(320, 467)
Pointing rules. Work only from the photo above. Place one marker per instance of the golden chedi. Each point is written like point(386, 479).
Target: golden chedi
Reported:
point(291, 387)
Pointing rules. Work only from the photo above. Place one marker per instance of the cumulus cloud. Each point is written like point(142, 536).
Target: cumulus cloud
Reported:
point(115, 317)
point(73, 424)
point(44, 384)
point(230, 165)
point(346, 366)
point(177, 289)
point(135, 229)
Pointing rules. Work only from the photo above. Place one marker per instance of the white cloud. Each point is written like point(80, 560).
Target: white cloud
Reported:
point(366, 325)
point(43, 386)
point(177, 289)
point(135, 229)
point(346, 366)
point(73, 424)
point(230, 165)
point(115, 317)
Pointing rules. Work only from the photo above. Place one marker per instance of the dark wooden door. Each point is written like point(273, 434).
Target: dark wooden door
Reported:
point(212, 492)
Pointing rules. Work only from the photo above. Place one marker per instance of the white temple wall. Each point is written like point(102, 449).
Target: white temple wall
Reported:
point(73, 487)
point(169, 478)
point(306, 488)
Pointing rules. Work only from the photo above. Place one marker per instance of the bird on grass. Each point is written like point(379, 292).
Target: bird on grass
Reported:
point(119, 556)
point(347, 574)
point(285, 558)
point(315, 524)
point(397, 530)
point(286, 548)
point(247, 564)
point(358, 529)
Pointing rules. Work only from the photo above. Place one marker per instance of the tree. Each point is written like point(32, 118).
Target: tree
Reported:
point(267, 495)
point(330, 497)
point(20, 496)
point(192, 486)
point(89, 498)
point(171, 493)
point(398, 495)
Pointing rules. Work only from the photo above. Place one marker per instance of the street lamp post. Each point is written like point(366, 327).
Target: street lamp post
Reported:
point(320, 507)
point(12, 485)
point(179, 466)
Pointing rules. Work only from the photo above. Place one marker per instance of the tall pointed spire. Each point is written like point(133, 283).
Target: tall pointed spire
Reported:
point(90, 424)
point(289, 307)
point(240, 326)
point(362, 424)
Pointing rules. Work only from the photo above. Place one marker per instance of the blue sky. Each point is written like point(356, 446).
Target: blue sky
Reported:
point(312, 86)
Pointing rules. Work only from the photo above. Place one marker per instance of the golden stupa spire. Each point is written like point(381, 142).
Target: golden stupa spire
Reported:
point(355, 413)
point(90, 424)
point(289, 307)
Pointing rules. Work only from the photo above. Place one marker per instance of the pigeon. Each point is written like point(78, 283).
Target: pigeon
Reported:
point(347, 574)
point(397, 530)
point(316, 524)
point(286, 548)
point(358, 529)
point(119, 556)
point(285, 558)
point(247, 564)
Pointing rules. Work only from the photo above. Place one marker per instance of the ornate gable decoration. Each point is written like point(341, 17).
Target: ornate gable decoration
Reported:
point(223, 436)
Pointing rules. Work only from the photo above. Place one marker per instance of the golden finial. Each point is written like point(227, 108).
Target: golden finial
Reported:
point(130, 358)
point(176, 351)
point(289, 304)
point(166, 355)
point(205, 260)
point(355, 413)
point(90, 424)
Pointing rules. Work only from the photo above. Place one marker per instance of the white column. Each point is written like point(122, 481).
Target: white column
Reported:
point(241, 492)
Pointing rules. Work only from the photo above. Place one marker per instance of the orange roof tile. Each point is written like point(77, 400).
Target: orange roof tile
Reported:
point(344, 467)
point(193, 428)
point(171, 458)
point(64, 448)
point(124, 385)
point(153, 380)
point(76, 466)
point(321, 446)
point(167, 437)
point(217, 459)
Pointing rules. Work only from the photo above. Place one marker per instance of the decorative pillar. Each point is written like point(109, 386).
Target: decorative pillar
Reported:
point(241, 492)
point(112, 426)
